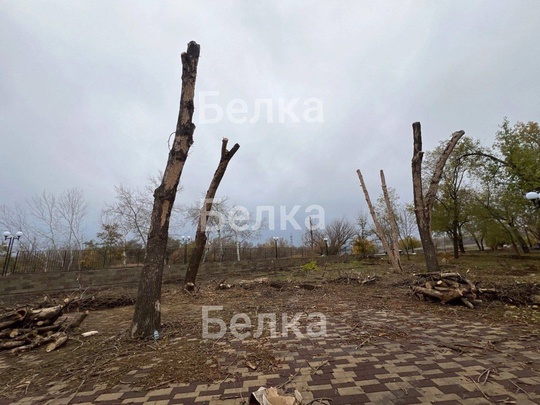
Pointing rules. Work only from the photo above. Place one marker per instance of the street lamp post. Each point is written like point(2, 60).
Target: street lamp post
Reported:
point(275, 245)
point(185, 240)
point(326, 244)
point(534, 197)
point(11, 239)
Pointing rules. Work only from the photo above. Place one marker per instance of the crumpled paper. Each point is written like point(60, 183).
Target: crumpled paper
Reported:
point(270, 396)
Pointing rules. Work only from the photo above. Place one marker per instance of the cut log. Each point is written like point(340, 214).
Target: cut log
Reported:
point(467, 302)
point(60, 341)
point(45, 315)
point(11, 344)
point(12, 319)
point(444, 297)
point(39, 341)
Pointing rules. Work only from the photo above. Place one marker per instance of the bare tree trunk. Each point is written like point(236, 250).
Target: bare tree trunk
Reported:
point(200, 235)
point(147, 315)
point(519, 238)
point(393, 224)
point(455, 238)
point(377, 224)
point(423, 205)
point(460, 241)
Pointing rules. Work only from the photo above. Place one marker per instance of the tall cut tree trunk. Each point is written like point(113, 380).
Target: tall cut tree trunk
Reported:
point(424, 204)
point(378, 226)
point(200, 236)
point(393, 223)
point(147, 315)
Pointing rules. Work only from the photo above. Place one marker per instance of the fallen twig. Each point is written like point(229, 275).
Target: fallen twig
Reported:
point(290, 379)
point(521, 389)
point(480, 389)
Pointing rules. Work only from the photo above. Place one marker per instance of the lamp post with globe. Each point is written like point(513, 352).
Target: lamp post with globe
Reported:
point(11, 239)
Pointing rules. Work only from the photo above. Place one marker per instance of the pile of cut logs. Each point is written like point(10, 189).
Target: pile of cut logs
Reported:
point(446, 288)
point(25, 329)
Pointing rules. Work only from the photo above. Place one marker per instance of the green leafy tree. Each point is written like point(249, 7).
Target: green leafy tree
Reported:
point(363, 247)
point(507, 174)
point(450, 211)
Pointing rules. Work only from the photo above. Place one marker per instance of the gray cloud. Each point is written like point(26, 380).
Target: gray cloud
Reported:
point(90, 92)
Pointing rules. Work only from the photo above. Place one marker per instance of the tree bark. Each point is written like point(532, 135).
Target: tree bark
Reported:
point(424, 204)
point(455, 238)
point(147, 315)
point(200, 235)
point(393, 224)
point(377, 224)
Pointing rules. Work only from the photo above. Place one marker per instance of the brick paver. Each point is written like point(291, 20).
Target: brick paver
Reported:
point(412, 359)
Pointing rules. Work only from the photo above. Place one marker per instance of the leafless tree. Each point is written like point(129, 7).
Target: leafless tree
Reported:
point(43, 210)
point(16, 218)
point(131, 210)
point(379, 230)
point(339, 232)
point(72, 210)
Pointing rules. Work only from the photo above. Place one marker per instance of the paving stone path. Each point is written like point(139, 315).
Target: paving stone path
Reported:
point(376, 357)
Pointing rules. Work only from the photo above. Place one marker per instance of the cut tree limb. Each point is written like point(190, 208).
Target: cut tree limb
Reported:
point(60, 341)
point(39, 341)
point(14, 318)
point(200, 235)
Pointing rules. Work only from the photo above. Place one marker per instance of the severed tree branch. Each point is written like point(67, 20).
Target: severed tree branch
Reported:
point(200, 235)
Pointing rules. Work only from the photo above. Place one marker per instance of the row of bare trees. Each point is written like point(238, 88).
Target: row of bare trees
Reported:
point(48, 220)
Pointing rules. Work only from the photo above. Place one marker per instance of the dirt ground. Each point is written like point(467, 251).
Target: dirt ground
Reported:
point(181, 355)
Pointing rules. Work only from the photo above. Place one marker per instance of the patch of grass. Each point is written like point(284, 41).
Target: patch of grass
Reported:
point(309, 266)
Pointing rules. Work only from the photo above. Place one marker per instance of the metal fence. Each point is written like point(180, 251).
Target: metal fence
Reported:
point(77, 260)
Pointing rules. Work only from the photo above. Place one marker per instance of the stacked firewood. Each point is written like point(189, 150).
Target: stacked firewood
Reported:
point(446, 288)
point(25, 329)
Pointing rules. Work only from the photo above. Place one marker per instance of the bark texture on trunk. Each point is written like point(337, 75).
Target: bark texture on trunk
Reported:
point(393, 224)
point(200, 235)
point(378, 226)
point(147, 315)
point(423, 204)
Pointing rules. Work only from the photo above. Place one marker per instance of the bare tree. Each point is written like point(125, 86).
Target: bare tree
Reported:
point(16, 218)
point(147, 315)
point(392, 220)
point(72, 209)
point(394, 260)
point(423, 204)
point(200, 235)
point(44, 212)
point(131, 211)
point(339, 232)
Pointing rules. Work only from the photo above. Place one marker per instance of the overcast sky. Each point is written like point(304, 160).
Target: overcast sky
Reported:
point(89, 93)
